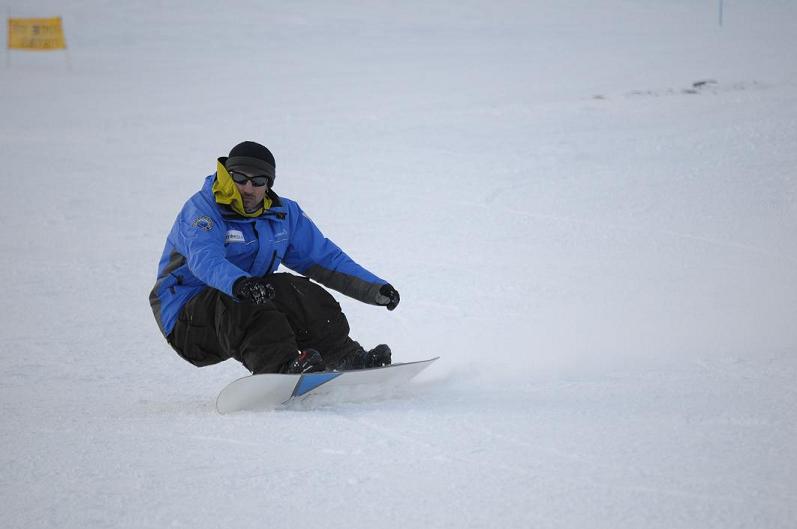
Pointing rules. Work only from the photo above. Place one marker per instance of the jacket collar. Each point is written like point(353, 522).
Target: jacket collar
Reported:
point(276, 211)
point(226, 193)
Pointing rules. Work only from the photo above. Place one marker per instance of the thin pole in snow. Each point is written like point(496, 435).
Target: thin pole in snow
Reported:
point(721, 10)
point(66, 50)
point(8, 23)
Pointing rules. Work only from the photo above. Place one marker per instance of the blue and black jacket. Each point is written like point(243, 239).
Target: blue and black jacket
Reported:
point(212, 245)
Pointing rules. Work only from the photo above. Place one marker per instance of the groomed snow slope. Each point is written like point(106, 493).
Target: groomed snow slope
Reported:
point(603, 253)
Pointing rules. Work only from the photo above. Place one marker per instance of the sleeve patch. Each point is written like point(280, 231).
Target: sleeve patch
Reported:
point(204, 223)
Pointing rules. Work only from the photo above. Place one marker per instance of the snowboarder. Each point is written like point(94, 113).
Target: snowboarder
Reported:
point(217, 296)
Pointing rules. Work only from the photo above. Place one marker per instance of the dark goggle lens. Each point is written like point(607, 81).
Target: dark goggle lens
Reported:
point(257, 181)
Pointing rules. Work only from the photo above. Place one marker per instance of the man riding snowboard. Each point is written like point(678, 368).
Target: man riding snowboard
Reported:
point(217, 296)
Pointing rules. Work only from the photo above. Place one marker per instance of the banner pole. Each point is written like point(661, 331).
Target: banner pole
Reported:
point(66, 48)
point(8, 36)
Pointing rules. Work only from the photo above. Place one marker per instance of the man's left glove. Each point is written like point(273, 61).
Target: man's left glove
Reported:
point(253, 290)
point(390, 297)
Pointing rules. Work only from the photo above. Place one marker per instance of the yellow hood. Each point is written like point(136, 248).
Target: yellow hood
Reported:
point(226, 192)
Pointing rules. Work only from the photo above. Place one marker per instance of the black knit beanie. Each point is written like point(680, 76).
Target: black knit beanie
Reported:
point(253, 158)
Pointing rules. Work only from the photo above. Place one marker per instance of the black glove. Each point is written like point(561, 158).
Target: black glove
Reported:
point(391, 295)
point(253, 290)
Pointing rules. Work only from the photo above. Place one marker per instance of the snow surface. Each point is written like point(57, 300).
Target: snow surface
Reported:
point(603, 254)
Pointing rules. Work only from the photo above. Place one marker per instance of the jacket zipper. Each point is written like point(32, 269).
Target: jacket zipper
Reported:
point(273, 257)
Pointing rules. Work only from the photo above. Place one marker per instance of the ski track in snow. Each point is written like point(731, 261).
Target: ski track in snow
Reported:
point(601, 252)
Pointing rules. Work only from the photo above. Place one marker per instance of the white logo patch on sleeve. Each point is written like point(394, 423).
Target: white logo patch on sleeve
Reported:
point(234, 236)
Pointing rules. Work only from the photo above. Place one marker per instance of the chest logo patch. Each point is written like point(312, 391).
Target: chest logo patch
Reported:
point(234, 236)
point(281, 236)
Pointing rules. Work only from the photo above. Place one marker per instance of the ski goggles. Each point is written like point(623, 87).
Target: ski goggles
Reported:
point(257, 181)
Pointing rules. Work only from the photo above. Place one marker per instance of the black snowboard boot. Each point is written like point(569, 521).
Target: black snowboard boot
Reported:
point(359, 358)
point(307, 361)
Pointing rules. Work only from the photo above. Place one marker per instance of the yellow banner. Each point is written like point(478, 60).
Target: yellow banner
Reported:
point(40, 34)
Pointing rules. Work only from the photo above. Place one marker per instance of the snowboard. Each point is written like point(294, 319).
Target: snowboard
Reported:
point(270, 391)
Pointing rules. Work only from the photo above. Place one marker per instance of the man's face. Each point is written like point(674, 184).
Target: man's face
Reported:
point(252, 195)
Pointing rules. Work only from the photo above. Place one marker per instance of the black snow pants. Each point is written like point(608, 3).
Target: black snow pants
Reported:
point(213, 327)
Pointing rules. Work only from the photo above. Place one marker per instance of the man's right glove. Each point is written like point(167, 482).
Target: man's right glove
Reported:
point(253, 290)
